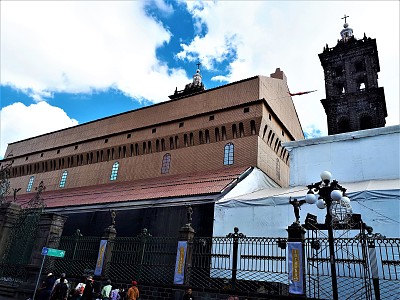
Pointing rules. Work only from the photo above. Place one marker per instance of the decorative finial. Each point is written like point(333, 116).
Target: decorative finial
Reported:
point(296, 207)
point(15, 193)
point(189, 213)
point(345, 18)
point(113, 215)
point(236, 234)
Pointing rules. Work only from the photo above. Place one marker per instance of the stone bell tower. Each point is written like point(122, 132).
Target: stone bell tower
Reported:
point(353, 99)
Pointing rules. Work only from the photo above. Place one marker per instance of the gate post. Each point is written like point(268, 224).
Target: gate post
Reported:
point(374, 268)
point(296, 256)
point(184, 256)
point(235, 235)
point(9, 212)
point(106, 248)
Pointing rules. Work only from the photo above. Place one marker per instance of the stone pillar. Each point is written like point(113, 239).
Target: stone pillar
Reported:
point(109, 235)
point(296, 233)
point(9, 212)
point(186, 233)
point(49, 232)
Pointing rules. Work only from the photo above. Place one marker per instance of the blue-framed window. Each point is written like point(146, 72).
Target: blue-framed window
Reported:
point(63, 178)
point(229, 154)
point(30, 183)
point(114, 171)
point(166, 162)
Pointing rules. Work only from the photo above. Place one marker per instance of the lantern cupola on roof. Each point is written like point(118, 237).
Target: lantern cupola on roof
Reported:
point(194, 87)
point(347, 32)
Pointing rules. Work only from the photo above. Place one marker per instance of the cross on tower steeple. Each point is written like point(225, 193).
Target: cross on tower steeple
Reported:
point(198, 65)
point(345, 17)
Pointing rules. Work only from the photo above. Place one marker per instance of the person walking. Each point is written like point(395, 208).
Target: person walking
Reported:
point(88, 291)
point(60, 291)
point(188, 295)
point(47, 287)
point(133, 292)
point(59, 279)
point(106, 290)
point(115, 294)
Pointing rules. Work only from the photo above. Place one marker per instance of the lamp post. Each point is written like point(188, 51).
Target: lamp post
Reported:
point(325, 194)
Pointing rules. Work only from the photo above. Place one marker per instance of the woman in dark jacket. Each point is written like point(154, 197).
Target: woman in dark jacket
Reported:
point(88, 291)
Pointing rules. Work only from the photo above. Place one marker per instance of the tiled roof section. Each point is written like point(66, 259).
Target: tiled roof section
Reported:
point(162, 187)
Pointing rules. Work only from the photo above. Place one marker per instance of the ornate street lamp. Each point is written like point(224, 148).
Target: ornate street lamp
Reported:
point(330, 195)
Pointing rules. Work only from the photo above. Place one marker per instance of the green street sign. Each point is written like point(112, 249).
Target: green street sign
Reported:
point(53, 252)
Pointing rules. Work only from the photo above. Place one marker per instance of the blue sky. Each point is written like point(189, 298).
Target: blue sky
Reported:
point(65, 63)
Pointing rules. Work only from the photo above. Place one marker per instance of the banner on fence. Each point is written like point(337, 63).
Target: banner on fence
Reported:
point(100, 258)
point(295, 268)
point(180, 262)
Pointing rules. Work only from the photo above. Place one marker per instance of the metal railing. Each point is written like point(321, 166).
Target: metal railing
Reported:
point(248, 264)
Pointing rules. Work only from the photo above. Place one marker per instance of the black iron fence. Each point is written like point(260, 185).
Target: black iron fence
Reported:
point(367, 268)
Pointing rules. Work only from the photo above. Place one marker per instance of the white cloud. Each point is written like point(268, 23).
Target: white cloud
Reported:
point(80, 46)
point(290, 35)
point(19, 122)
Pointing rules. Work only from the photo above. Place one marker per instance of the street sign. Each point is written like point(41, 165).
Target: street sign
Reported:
point(53, 252)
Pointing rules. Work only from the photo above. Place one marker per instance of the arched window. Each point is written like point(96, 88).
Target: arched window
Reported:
point(166, 162)
point(30, 183)
point(241, 130)
point(136, 149)
point(217, 137)
point(223, 133)
point(278, 169)
point(253, 127)
point(191, 139)
point(234, 131)
point(149, 148)
point(114, 171)
point(228, 154)
point(201, 140)
point(157, 145)
point(162, 145)
point(144, 148)
point(365, 122)
point(171, 143)
point(207, 133)
point(185, 140)
point(176, 142)
point(343, 125)
point(63, 178)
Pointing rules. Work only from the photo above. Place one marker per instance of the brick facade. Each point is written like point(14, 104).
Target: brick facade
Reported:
point(254, 114)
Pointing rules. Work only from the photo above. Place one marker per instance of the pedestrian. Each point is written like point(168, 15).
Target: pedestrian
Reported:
point(106, 290)
point(122, 293)
point(58, 280)
point(88, 291)
point(188, 295)
point(78, 291)
point(133, 292)
point(115, 294)
point(60, 291)
point(47, 287)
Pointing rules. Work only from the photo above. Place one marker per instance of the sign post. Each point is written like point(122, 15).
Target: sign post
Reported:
point(47, 252)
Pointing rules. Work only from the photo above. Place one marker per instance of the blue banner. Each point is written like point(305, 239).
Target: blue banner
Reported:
point(180, 262)
point(100, 258)
point(296, 268)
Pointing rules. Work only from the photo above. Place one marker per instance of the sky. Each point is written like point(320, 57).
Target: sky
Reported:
point(64, 63)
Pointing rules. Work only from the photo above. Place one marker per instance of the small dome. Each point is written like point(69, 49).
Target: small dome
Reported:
point(346, 32)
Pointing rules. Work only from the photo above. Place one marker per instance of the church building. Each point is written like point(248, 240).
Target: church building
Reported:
point(148, 164)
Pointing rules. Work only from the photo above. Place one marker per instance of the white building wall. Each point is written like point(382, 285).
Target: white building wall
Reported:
point(372, 154)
